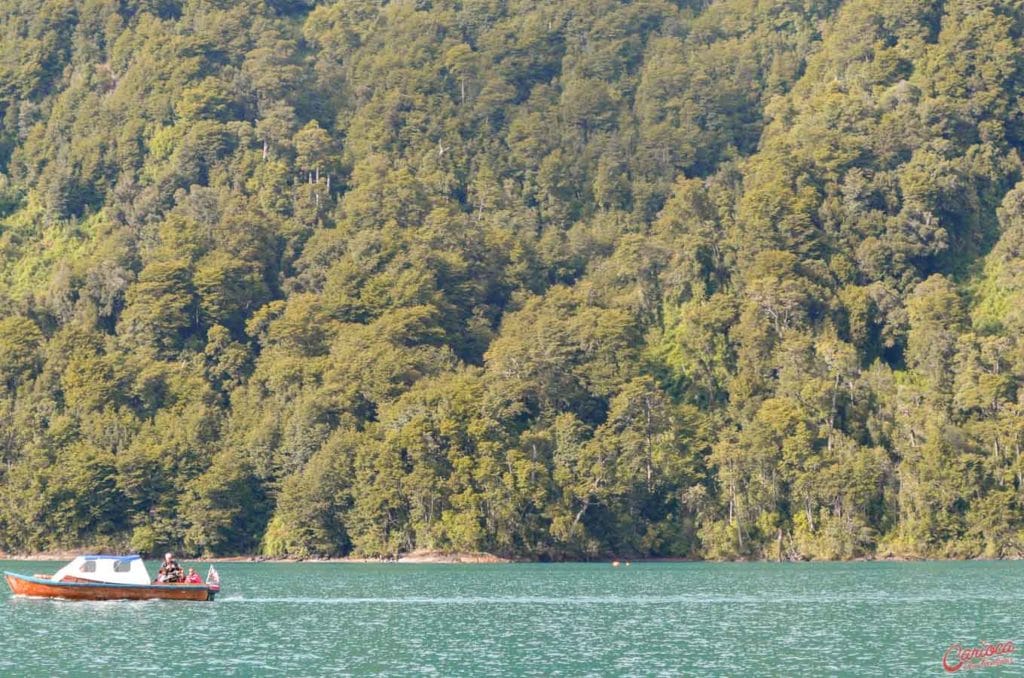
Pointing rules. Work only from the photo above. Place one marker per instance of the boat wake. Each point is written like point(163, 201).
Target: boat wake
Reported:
point(583, 600)
point(462, 600)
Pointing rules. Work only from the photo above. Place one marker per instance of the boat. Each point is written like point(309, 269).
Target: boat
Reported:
point(108, 578)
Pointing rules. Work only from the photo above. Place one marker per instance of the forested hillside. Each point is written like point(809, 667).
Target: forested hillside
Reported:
point(544, 278)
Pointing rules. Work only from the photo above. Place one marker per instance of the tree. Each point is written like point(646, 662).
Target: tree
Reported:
point(936, 317)
point(314, 151)
point(228, 290)
point(20, 343)
point(160, 306)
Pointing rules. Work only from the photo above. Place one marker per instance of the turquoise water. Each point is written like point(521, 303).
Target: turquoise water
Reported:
point(321, 619)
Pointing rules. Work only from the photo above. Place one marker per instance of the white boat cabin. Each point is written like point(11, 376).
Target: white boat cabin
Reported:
point(106, 569)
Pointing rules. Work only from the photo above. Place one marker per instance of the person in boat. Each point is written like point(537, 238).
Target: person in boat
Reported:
point(193, 577)
point(170, 572)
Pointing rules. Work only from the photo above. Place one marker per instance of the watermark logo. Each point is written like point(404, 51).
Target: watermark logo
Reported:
point(981, 656)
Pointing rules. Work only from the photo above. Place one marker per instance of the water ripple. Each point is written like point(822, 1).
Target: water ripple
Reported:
point(878, 599)
point(860, 619)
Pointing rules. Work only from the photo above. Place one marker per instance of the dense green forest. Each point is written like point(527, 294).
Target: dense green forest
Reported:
point(543, 278)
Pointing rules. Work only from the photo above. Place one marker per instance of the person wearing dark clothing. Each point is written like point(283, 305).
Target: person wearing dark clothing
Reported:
point(170, 572)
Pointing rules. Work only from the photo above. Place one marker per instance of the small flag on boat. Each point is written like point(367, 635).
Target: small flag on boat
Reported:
point(212, 578)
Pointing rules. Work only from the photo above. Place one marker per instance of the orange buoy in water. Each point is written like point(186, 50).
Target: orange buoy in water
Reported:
point(615, 563)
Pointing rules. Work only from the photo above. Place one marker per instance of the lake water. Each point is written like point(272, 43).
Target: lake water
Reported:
point(316, 619)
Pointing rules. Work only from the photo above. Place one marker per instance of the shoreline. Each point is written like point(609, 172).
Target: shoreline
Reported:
point(414, 557)
point(476, 558)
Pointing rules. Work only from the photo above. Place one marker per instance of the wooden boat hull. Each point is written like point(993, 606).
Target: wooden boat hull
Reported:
point(38, 587)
